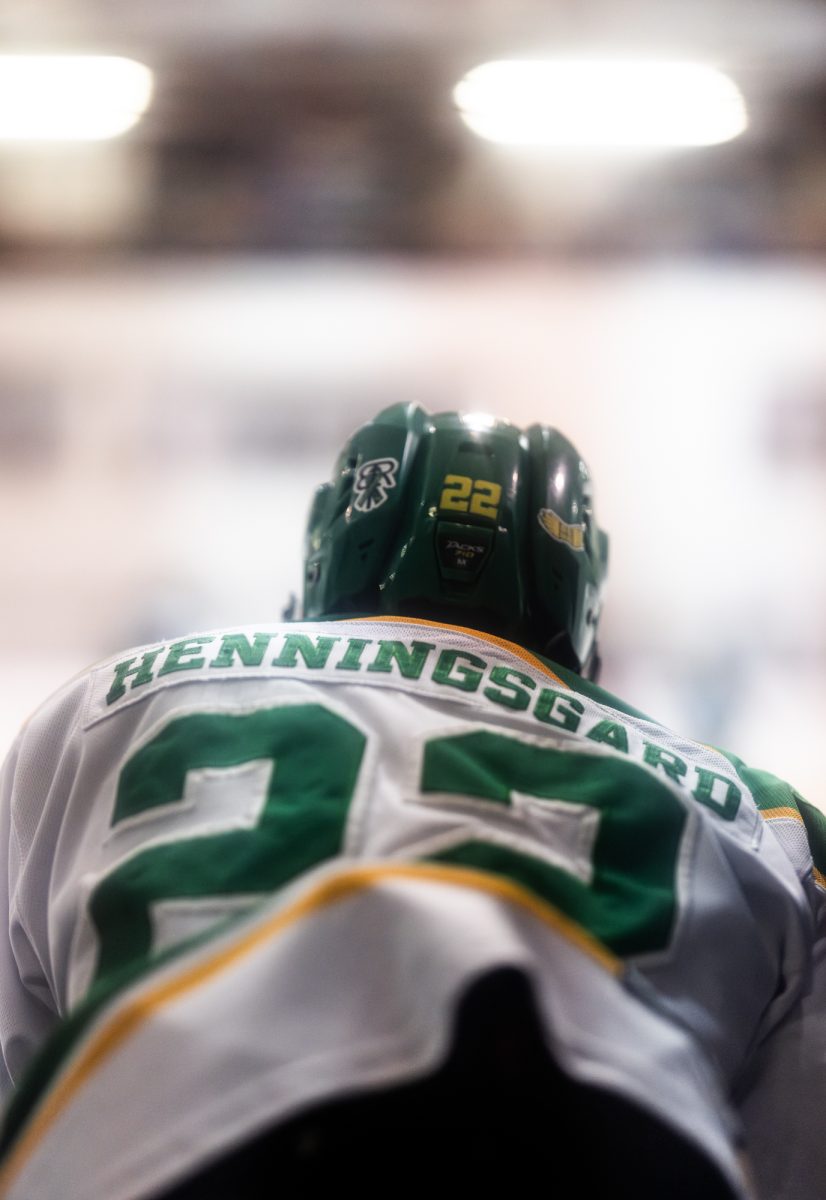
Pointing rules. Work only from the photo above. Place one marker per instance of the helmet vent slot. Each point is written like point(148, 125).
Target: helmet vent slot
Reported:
point(345, 491)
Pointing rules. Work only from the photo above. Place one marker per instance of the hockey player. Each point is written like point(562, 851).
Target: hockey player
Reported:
point(396, 887)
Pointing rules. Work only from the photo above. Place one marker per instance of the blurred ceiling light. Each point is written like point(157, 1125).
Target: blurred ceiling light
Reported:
point(70, 97)
point(601, 104)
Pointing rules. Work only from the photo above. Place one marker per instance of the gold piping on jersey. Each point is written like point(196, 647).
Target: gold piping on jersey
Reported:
point(787, 813)
point(783, 812)
point(502, 643)
point(137, 1011)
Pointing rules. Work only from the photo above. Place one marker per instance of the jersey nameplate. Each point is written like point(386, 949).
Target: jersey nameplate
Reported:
point(416, 665)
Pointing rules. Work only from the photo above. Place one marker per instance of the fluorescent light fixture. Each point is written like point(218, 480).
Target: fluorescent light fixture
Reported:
point(70, 97)
point(600, 103)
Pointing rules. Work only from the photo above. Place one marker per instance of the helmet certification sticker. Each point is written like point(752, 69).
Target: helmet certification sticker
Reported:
point(571, 535)
point(374, 479)
point(462, 550)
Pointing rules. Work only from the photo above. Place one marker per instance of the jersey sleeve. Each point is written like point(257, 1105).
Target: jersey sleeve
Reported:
point(799, 827)
point(814, 821)
point(782, 1100)
point(32, 783)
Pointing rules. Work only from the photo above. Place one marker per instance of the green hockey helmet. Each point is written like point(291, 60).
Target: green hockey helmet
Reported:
point(464, 519)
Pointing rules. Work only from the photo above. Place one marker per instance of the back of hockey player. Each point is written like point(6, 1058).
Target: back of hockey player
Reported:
point(397, 883)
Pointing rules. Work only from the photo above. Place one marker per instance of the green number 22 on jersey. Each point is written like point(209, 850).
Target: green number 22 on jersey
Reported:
point(620, 886)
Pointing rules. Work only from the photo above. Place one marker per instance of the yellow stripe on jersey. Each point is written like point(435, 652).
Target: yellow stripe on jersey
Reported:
point(787, 813)
point(502, 643)
point(138, 1010)
point(784, 812)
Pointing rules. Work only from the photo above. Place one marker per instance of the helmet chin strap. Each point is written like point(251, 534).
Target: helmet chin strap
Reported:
point(593, 665)
point(559, 650)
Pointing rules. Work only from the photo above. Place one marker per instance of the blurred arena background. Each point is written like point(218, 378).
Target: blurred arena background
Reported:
point(301, 229)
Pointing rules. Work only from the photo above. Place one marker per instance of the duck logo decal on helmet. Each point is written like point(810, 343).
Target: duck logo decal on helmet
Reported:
point(463, 519)
point(571, 535)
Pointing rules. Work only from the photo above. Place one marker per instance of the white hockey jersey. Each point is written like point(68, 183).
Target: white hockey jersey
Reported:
point(249, 871)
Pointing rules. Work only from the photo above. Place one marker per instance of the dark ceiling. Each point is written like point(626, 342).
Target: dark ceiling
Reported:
point(302, 126)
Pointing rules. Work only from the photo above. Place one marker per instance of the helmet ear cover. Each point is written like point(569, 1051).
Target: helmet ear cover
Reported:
point(461, 519)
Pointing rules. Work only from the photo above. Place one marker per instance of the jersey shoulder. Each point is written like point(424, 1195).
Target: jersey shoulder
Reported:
point(799, 825)
point(584, 687)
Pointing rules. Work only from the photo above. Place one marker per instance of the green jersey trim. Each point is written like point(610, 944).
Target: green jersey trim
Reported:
point(777, 800)
point(563, 675)
point(591, 690)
